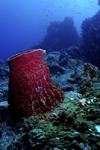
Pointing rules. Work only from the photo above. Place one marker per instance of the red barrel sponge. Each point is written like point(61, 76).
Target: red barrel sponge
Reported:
point(31, 90)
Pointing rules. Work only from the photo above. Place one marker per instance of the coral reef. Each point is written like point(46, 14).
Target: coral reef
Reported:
point(60, 35)
point(31, 90)
point(75, 124)
point(91, 38)
point(90, 75)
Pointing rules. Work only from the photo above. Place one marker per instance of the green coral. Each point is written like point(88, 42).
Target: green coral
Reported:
point(92, 71)
point(88, 77)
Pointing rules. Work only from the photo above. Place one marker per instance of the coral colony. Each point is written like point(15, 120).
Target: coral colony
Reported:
point(31, 90)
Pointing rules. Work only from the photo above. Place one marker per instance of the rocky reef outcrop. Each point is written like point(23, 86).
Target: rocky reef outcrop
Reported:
point(91, 38)
point(98, 2)
point(60, 35)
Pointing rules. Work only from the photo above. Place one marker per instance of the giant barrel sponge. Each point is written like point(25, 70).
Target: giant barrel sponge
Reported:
point(31, 90)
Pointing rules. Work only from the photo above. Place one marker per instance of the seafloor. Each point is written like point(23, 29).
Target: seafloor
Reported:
point(74, 125)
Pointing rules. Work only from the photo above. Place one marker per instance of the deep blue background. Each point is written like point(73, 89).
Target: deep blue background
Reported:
point(23, 23)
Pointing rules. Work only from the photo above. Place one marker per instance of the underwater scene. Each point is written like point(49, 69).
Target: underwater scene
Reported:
point(50, 75)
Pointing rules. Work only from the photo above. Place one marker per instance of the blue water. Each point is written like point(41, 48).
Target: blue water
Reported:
point(23, 23)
